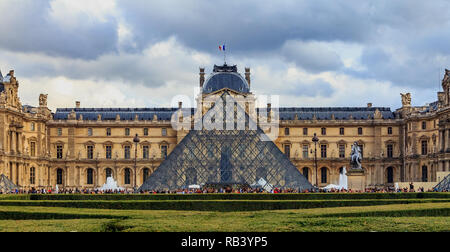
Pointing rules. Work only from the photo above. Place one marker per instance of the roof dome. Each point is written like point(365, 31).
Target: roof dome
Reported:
point(225, 77)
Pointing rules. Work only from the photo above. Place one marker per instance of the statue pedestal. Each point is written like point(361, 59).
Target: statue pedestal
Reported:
point(356, 180)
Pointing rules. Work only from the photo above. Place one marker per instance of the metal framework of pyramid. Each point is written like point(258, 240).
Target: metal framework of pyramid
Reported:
point(6, 185)
point(444, 185)
point(226, 157)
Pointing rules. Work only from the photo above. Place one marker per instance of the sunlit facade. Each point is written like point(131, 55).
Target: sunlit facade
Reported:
point(80, 147)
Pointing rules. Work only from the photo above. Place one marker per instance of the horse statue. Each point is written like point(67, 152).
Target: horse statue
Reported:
point(356, 157)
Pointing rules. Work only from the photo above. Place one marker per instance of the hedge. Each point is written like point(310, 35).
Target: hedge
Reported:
point(265, 196)
point(392, 213)
point(215, 205)
point(16, 215)
point(15, 196)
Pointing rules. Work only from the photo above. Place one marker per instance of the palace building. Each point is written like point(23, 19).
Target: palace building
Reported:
point(80, 147)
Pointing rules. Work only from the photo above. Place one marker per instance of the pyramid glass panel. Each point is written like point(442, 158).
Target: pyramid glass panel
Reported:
point(444, 185)
point(226, 157)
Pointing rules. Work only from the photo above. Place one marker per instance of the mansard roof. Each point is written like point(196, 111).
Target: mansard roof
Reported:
point(124, 113)
point(165, 114)
point(340, 113)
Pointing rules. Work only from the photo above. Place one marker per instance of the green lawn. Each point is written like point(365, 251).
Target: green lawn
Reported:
point(394, 217)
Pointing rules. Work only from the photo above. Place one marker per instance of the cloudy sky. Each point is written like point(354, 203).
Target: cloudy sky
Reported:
point(139, 53)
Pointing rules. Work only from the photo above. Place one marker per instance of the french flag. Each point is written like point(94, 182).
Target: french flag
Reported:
point(222, 48)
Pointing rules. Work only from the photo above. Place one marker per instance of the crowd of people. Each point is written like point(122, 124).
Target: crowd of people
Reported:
point(214, 190)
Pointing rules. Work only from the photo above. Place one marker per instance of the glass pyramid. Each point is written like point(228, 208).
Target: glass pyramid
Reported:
point(444, 185)
point(226, 157)
point(6, 185)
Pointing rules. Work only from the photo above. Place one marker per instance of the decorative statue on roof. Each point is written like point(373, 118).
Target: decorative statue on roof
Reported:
point(43, 100)
point(355, 157)
point(2, 98)
point(406, 99)
point(446, 77)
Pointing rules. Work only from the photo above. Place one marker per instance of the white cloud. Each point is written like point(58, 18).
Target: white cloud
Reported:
point(70, 13)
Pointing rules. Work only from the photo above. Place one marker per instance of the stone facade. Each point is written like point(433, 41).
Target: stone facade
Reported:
point(80, 147)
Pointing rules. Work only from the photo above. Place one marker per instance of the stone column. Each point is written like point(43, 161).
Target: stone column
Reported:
point(13, 142)
point(446, 135)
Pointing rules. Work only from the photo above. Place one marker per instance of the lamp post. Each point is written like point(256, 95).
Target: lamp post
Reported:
point(136, 141)
point(315, 139)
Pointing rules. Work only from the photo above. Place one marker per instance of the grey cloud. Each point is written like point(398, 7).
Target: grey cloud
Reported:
point(26, 27)
point(311, 56)
point(245, 26)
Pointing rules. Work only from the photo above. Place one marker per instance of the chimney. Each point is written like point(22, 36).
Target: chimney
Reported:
point(269, 109)
point(247, 75)
point(369, 105)
point(202, 76)
point(180, 105)
point(11, 73)
point(77, 104)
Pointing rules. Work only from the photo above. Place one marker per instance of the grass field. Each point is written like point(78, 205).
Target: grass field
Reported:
point(398, 215)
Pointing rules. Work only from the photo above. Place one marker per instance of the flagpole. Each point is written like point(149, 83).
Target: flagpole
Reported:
point(224, 55)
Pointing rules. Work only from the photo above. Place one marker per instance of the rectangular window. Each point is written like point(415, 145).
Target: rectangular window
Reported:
point(32, 126)
point(324, 131)
point(286, 131)
point(108, 132)
point(145, 131)
point(164, 131)
point(342, 150)
point(341, 131)
point(145, 152)
point(424, 147)
point(90, 132)
point(424, 125)
point(305, 151)
point(127, 153)
point(90, 152)
point(305, 131)
point(33, 149)
point(390, 151)
point(108, 152)
point(360, 131)
point(59, 131)
point(59, 152)
point(32, 175)
point(287, 150)
point(323, 150)
point(164, 151)
point(127, 131)
point(389, 130)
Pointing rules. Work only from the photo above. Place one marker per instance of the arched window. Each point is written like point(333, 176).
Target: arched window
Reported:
point(424, 173)
point(305, 172)
point(32, 175)
point(390, 175)
point(59, 177)
point(108, 172)
point(146, 174)
point(323, 174)
point(127, 176)
point(90, 176)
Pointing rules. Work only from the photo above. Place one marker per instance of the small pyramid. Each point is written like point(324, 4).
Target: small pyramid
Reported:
point(6, 185)
point(444, 185)
point(226, 157)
